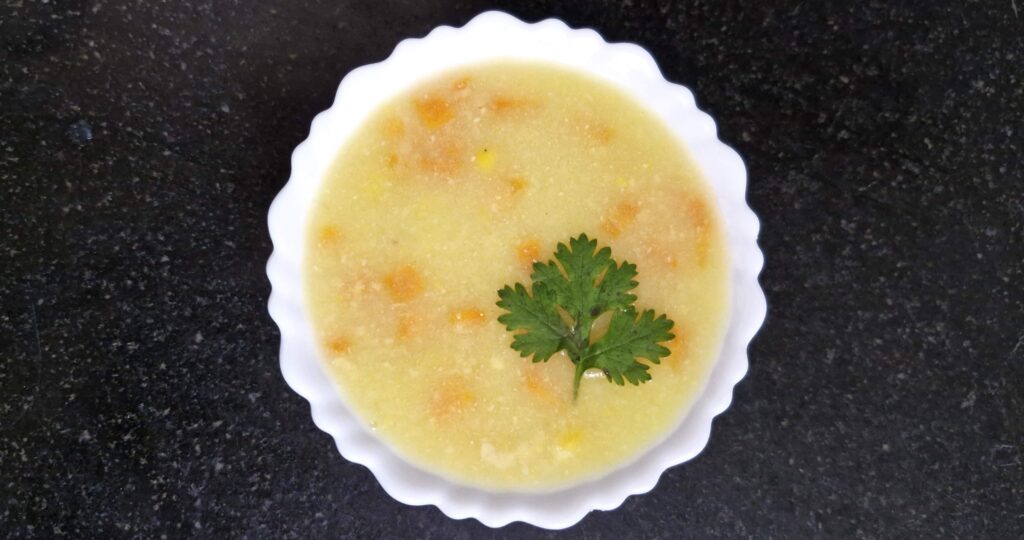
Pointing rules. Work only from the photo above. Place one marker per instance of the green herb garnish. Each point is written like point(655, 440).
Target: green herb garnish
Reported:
point(567, 296)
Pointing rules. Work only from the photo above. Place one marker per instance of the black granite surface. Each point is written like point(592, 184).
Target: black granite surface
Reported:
point(141, 144)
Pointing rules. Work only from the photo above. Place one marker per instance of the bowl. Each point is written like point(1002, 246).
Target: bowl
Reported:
point(494, 36)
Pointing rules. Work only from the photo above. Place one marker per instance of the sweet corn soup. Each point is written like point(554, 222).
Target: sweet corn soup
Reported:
point(454, 189)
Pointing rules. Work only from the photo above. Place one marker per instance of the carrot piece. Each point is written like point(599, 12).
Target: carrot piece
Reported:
point(679, 348)
point(518, 184)
point(404, 284)
point(506, 104)
point(467, 316)
point(329, 235)
point(622, 216)
point(538, 381)
point(699, 215)
point(528, 252)
point(452, 396)
point(536, 385)
point(434, 111)
point(441, 157)
point(596, 132)
point(394, 128)
point(407, 327)
point(339, 345)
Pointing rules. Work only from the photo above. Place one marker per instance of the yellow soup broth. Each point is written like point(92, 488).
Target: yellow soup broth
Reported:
point(452, 190)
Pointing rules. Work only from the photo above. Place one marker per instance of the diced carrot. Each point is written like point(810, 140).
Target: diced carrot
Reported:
point(329, 235)
point(528, 252)
point(665, 254)
point(404, 284)
point(506, 193)
point(356, 285)
point(518, 184)
point(338, 345)
point(622, 216)
point(547, 382)
point(394, 128)
point(703, 248)
point(506, 104)
point(434, 111)
point(536, 386)
point(596, 132)
point(699, 216)
point(450, 397)
point(679, 348)
point(697, 210)
point(467, 316)
point(443, 157)
point(603, 134)
point(407, 325)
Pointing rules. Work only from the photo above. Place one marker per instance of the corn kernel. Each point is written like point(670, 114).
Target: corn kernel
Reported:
point(570, 440)
point(484, 159)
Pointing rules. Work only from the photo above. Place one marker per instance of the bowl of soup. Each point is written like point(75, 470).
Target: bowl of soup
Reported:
point(470, 162)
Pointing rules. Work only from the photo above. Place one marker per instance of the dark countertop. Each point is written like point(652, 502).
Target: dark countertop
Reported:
point(140, 146)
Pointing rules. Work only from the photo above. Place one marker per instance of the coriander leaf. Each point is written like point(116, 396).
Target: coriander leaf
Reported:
point(566, 296)
point(586, 282)
point(537, 315)
point(629, 337)
point(613, 289)
point(574, 275)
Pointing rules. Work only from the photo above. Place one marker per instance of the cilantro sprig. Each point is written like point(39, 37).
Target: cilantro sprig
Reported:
point(566, 296)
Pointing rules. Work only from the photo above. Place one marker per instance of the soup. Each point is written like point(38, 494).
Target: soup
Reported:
point(454, 189)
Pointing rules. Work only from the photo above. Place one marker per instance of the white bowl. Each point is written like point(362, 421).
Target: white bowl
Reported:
point(495, 35)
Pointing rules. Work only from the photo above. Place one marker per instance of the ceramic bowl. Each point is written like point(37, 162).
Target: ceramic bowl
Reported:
point(494, 36)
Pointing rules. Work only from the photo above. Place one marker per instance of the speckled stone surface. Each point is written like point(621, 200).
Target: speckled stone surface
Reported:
point(141, 144)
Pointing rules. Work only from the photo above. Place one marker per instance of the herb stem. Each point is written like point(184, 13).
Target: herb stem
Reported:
point(578, 350)
point(580, 368)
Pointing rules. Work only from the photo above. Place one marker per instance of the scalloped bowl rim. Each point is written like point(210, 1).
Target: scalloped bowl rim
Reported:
point(489, 36)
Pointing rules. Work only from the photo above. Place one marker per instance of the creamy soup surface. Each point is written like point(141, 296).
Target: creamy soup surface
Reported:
point(452, 190)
